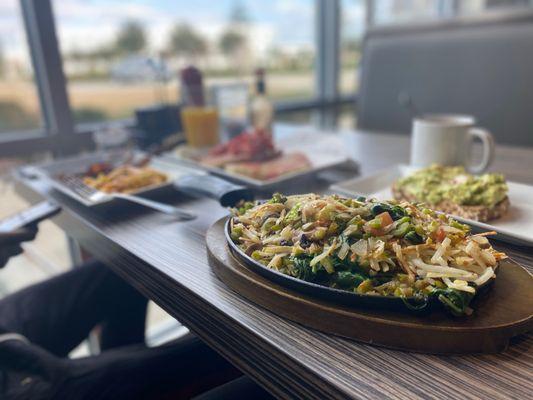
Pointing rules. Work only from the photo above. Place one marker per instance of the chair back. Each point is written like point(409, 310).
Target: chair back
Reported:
point(482, 67)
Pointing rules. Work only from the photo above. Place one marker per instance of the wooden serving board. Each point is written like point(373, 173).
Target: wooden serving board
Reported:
point(505, 311)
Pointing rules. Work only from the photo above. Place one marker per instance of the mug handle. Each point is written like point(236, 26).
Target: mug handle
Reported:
point(488, 149)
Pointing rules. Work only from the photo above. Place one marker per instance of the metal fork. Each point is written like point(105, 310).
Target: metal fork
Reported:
point(76, 185)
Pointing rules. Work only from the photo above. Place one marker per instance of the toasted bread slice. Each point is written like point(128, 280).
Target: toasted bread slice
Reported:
point(265, 170)
point(476, 213)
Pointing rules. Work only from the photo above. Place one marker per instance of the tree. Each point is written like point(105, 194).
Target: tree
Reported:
point(131, 38)
point(234, 39)
point(231, 41)
point(239, 14)
point(185, 41)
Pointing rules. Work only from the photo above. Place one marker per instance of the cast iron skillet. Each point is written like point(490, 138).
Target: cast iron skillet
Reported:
point(338, 296)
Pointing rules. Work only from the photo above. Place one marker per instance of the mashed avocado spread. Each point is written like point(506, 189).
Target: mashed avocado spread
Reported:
point(434, 184)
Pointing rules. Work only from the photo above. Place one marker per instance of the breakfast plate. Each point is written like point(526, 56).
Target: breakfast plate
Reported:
point(515, 227)
point(338, 296)
point(323, 151)
point(67, 175)
point(364, 252)
point(503, 313)
point(77, 178)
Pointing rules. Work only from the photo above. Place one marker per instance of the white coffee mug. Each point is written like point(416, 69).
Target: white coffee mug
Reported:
point(447, 139)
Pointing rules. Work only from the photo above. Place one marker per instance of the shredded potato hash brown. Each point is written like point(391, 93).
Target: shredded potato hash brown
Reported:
point(387, 248)
point(126, 179)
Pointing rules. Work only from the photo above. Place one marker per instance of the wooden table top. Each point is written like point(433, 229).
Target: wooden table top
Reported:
point(167, 261)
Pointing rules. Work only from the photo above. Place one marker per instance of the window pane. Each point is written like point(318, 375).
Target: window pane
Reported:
point(352, 30)
point(474, 7)
point(122, 55)
point(278, 36)
point(19, 101)
point(404, 11)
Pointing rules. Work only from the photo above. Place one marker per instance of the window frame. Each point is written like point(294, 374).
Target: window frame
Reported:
point(61, 136)
point(57, 135)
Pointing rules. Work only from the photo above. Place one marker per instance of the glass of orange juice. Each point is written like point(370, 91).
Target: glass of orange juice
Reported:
point(201, 126)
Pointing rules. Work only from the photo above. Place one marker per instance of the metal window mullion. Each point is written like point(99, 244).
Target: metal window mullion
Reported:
point(48, 67)
point(328, 44)
point(369, 13)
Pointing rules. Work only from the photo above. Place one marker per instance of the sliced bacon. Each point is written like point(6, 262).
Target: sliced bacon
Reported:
point(248, 146)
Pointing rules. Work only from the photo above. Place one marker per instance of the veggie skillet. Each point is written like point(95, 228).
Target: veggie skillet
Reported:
point(383, 249)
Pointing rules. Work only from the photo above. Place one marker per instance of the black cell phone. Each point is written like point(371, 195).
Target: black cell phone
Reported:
point(30, 216)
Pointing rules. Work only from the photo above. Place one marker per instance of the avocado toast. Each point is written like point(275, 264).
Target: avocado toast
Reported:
point(454, 191)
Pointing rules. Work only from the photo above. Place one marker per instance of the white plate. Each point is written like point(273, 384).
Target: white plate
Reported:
point(324, 151)
point(515, 227)
point(79, 164)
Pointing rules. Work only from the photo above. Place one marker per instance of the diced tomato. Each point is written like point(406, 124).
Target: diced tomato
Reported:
point(373, 231)
point(440, 235)
point(385, 219)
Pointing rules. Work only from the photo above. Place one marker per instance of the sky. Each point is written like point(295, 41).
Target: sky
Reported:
point(88, 24)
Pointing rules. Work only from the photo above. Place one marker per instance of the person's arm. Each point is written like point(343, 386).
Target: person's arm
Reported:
point(10, 243)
